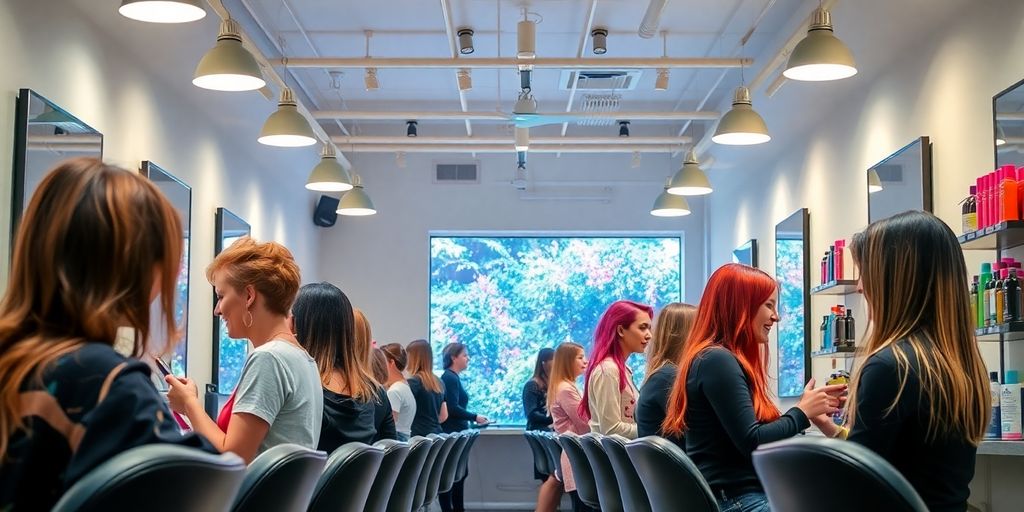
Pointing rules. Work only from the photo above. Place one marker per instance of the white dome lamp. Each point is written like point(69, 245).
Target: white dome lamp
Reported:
point(355, 202)
point(670, 205)
point(820, 56)
point(690, 179)
point(228, 66)
point(286, 127)
point(329, 175)
point(741, 125)
point(162, 11)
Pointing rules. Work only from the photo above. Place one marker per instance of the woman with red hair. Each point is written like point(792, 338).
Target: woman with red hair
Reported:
point(721, 399)
point(609, 394)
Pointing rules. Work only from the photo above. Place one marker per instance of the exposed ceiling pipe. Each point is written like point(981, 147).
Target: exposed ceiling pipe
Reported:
point(500, 116)
point(582, 47)
point(510, 62)
point(652, 18)
point(508, 148)
point(449, 29)
point(418, 141)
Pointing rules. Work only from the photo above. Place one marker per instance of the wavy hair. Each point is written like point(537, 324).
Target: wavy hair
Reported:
point(670, 331)
point(621, 313)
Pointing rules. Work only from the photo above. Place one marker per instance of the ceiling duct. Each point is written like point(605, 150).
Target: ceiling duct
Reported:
point(604, 80)
point(599, 103)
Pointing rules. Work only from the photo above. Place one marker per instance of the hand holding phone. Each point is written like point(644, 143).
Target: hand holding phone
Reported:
point(166, 371)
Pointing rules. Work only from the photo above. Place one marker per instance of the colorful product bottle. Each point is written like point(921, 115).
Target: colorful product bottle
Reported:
point(1009, 208)
point(839, 328)
point(1011, 297)
point(969, 212)
point(851, 329)
point(995, 425)
point(983, 278)
point(979, 199)
point(974, 302)
point(838, 259)
point(997, 292)
point(1009, 407)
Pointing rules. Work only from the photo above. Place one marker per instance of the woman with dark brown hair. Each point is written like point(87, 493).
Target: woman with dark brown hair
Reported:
point(403, 403)
point(96, 247)
point(670, 332)
point(431, 408)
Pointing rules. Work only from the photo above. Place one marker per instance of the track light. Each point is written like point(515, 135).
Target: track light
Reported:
point(286, 127)
point(162, 11)
point(690, 179)
point(522, 139)
point(228, 66)
point(356, 202)
point(600, 36)
point(874, 182)
point(410, 128)
point(466, 41)
point(329, 175)
point(669, 205)
point(370, 79)
point(526, 40)
point(741, 126)
point(821, 55)
point(465, 79)
point(623, 128)
point(661, 84)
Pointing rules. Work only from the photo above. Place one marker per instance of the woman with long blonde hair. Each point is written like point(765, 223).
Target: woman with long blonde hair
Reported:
point(570, 361)
point(427, 389)
point(670, 332)
point(95, 248)
point(921, 399)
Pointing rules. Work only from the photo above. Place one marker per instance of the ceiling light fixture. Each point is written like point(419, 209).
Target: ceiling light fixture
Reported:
point(526, 38)
point(228, 66)
point(286, 127)
point(690, 179)
point(410, 128)
point(465, 79)
point(162, 11)
point(669, 205)
point(329, 175)
point(820, 56)
point(522, 139)
point(466, 41)
point(623, 128)
point(741, 126)
point(355, 202)
point(661, 84)
point(874, 182)
point(370, 79)
point(600, 36)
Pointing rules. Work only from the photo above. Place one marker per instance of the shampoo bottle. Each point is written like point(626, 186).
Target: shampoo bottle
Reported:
point(1009, 407)
point(995, 425)
point(983, 279)
point(851, 329)
point(974, 302)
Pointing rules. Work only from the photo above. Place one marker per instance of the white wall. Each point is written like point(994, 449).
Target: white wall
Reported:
point(382, 262)
point(132, 82)
point(828, 135)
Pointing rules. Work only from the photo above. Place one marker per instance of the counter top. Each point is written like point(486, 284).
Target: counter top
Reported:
point(1006, 448)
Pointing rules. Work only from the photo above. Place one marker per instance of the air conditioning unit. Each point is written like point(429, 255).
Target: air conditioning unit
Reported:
point(600, 80)
point(457, 173)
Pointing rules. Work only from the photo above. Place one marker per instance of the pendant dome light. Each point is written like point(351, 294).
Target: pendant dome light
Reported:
point(329, 175)
point(820, 56)
point(286, 127)
point(690, 179)
point(228, 66)
point(874, 183)
point(162, 11)
point(741, 125)
point(670, 205)
point(355, 202)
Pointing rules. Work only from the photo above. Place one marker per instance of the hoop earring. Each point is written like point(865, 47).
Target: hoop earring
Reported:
point(251, 319)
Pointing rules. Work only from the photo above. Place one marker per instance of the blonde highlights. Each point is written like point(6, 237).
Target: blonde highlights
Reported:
point(673, 326)
point(421, 365)
point(563, 368)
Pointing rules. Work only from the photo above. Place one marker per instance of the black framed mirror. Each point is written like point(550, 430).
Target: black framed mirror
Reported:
point(180, 195)
point(44, 134)
point(1008, 125)
point(902, 181)
point(228, 353)
point(746, 253)
point(792, 270)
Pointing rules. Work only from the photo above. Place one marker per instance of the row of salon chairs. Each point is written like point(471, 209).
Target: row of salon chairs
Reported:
point(651, 474)
point(390, 476)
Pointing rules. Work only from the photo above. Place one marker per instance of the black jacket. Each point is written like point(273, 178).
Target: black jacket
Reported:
point(428, 408)
point(457, 399)
point(347, 420)
point(653, 403)
point(535, 406)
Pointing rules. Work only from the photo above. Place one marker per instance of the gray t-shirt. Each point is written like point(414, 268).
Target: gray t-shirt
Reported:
point(280, 384)
point(403, 403)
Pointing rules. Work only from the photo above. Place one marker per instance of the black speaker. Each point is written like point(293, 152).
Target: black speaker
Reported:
point(326, 212)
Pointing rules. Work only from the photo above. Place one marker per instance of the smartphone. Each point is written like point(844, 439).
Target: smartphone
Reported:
point(162, 366)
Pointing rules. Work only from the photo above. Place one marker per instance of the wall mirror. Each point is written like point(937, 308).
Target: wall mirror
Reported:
point(901, 182)
point(44, 134)
point(228, 353)
point(792, 254)
point(746, 253)
point(180, 195)
point(1008, 123)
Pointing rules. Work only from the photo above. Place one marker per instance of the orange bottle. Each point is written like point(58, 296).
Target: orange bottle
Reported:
point(1009, 209)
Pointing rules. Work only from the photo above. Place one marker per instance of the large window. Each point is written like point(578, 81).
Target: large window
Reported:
point(506, 297)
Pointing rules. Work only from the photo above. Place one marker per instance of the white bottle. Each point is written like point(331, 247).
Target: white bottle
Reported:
point(1009, 405)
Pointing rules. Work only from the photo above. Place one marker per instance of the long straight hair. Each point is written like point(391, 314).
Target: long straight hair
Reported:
point(670, 331)
point(621, 313)
point(725, 318)
point(87, 252)
point(421, 364)
point(325, 327)
point(563, 368)
point(540, 376)
point(914, 281)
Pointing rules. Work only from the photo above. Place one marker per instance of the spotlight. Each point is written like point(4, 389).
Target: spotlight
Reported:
point(623, 128)
point(466, 41)
point(410, 129)
point(465, 79)
point(600, 36)
point(661, 84)
point(524, 79)
point(370, 79)
point(526, 40)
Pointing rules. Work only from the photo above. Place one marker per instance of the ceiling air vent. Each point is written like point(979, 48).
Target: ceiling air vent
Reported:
point(456, 173)
point(605, 80)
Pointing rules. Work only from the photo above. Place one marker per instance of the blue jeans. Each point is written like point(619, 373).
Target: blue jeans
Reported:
point(401, 437)
point(749, 502)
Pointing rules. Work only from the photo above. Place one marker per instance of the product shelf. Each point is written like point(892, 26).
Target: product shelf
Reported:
point(839, 353)
point(839, 287)
point(1008, 331)
point(1005, 235)
point(1011, 448)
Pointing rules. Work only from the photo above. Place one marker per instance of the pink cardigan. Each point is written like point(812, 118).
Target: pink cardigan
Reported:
point(566, 419)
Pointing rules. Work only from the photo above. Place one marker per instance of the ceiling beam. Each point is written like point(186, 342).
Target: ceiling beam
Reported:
point(446, 11)
point(509, 140)
point(501, 116)
point(508, 148)
point(511, 62)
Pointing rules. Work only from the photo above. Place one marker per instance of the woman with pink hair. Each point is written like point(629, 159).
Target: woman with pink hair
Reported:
point(609, 394)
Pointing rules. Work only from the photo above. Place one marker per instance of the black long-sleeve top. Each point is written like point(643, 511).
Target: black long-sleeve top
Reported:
point(652, 405)
point(940, 470)
point(347, 420)
point(428, 408)
point(457, 399)
point(535, 406)
point(722, 430)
